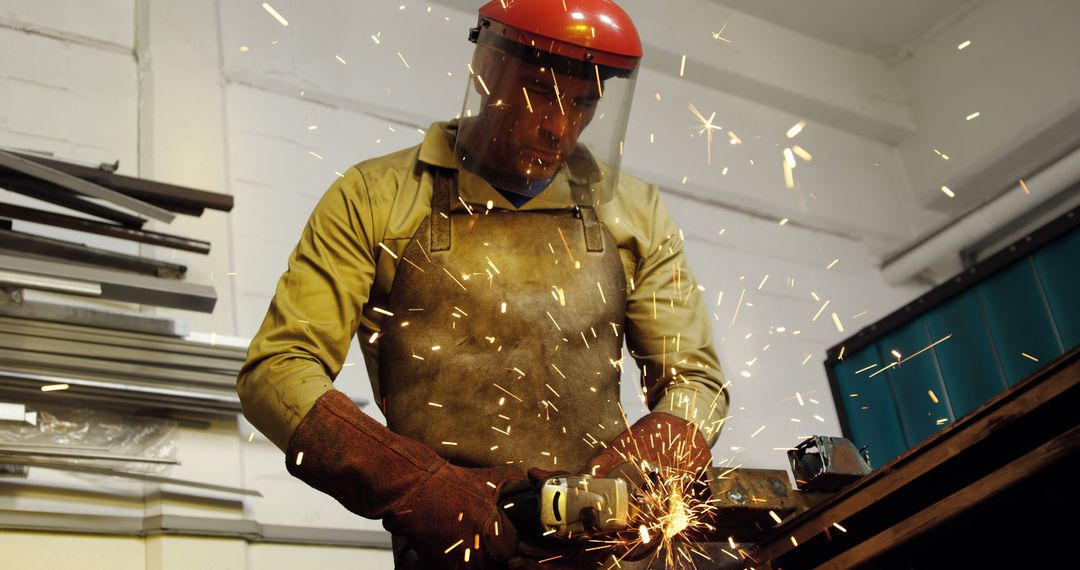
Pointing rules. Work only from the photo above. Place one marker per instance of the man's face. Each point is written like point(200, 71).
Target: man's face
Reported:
point(533, 117)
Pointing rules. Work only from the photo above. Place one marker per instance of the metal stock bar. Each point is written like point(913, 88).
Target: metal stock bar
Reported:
point(160, 193)
point(41, 190)
point(78, 185)
point(23, 244)
point(122, 286)
point(103, 228)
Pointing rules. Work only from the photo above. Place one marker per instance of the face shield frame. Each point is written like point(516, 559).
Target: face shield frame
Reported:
point(534, 117)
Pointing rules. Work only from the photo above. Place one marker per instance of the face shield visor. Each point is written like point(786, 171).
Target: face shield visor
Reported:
point(533, 118)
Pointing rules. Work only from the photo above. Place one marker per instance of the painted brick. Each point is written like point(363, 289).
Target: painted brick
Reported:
point(108, 20)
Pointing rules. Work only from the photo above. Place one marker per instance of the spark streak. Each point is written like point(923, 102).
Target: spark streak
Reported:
point(527, 101)
point(795, 130)
point(558, 96)
point(275, 14)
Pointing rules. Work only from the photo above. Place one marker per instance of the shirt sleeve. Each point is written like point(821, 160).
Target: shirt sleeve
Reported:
point(668, 332)
point(305, 336)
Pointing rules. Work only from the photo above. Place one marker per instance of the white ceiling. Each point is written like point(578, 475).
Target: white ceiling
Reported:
point(879, 28)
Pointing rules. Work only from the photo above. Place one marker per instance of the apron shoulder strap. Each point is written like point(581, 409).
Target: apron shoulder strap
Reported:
point(442, 196)
point(594, 238)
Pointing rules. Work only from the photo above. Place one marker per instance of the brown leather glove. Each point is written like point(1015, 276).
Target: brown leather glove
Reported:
point(662, 440)
point(378, 474)
point(666, 443)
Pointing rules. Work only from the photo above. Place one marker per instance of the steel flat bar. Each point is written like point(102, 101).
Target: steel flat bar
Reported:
point(16, 354)
point(71, 454)
point(126, 391)
point(121, 338)
point(117, 354)
point(61, 466)
point(41, 190)
point(47, 283)
point(210, 359)
point(149, 190)
point(94, 321)
point(19, 243)
point(180, 525)
point(103, 228)
point(80, 186)
point(125, 402)
point(121, 286)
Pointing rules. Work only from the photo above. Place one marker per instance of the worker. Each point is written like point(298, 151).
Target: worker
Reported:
point(491, 275)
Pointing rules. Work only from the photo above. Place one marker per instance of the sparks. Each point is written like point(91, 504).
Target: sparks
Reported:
point(54, 387)
point(275, 14)
point(945, 190)
point(795, 130)
point(964, 44)
point(973, 116)
point(719, 36)
point(707, 128)
point(558, 96)
point(836, 321)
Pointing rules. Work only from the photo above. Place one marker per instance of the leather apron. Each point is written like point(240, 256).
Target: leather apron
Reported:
point(505, 340)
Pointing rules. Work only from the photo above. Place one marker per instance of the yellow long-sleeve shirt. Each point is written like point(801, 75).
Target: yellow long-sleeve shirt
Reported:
point(340, 272)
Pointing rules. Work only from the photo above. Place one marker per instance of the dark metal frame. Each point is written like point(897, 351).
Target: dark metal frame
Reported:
point(958, 284)
point(1019, 440)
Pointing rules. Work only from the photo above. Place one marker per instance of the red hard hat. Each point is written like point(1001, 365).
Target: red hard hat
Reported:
point(597, 31)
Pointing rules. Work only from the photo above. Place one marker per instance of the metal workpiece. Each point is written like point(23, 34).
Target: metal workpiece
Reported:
point(78, 185)
point(749, 503)
point(119, 286)
point(823, 463)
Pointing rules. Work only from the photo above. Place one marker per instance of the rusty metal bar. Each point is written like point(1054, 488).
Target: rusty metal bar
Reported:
point(33, 167)
point(165, 195)
point(21, 244)
point(41, 190)
point(103, 228)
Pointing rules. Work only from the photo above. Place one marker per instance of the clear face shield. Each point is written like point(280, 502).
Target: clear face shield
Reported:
point(533, 119)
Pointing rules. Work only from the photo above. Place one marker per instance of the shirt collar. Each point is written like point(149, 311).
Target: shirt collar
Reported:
point(438, 150)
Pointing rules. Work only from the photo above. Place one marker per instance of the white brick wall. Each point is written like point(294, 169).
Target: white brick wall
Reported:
point(107, 21)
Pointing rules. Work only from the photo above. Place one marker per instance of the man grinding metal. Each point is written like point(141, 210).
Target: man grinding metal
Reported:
point(491, 275)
